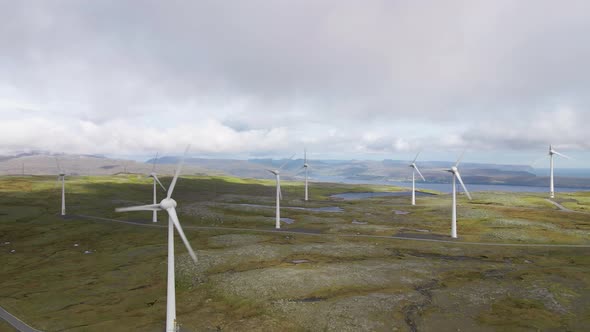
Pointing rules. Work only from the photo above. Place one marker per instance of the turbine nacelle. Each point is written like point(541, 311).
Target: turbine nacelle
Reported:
point(168, 203)
point(453, 170)
point(553, 152)
point(415, 169)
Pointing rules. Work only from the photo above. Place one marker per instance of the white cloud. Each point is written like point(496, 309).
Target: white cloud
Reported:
point(267, 77)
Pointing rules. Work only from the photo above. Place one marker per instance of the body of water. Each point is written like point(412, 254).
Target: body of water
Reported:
point(447, 187)
point(350, 196)
point(288, 221)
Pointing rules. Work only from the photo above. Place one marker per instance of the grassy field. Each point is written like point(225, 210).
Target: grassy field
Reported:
point(326, 273)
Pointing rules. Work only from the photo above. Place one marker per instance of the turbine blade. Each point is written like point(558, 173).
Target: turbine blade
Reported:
point(58, 165)
point(299, 171)
point(561, 154)
point(463, 184)
point(286, 162)
point(460, 158)
point(415, 158)
point(417, 170)
point(174, 218)
point(160, 183)
point(150, 207)
point(154, 164)
point(304, 155)
point(178, 169)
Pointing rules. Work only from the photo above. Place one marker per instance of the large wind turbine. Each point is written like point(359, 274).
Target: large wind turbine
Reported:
point(277, 173)
point(551, 153)
point(169, 205)
point(456, 176)
point(414, 170)
point(62, 176)
point(305, 166)
point(154, 176)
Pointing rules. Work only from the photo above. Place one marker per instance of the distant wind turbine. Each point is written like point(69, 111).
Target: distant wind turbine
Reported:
point(551, 153)
point(169, 205)
point(277, 173)
point(305, 167)
point(456, 176)
point(154, 176)
point(62, 176)
point(414, 170)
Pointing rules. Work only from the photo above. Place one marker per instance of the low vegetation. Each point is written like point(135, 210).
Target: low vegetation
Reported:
point(323, 272)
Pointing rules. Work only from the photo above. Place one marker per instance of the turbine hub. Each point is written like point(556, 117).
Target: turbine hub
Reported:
point(152, 174)
point(305, 165)
point(168, 203)
point(454, 169)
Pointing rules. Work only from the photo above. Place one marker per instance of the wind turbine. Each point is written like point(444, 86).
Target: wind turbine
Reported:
point(169, 205)
point(305, 167)
point(62, 176)
point(154, 176)
point(414, 170)
point(277, 173)
point(551, 153)
point(456, 176)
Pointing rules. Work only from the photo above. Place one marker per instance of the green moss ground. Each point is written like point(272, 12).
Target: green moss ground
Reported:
point(248, 280)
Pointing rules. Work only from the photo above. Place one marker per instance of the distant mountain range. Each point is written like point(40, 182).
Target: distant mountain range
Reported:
point(43, 163)
point(385, 171)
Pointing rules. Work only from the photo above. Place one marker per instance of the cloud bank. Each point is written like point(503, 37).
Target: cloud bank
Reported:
point(345, 78)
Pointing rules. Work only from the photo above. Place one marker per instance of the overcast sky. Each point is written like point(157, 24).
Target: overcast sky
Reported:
point(347, 79)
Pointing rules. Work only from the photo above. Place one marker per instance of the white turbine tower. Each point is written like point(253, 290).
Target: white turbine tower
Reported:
point(62, 176)
point(456, 176)
point(551, 153)
point(169, 205)
point(414, 170)
point(277, 173)
point(305, 167)
point(154, 176)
